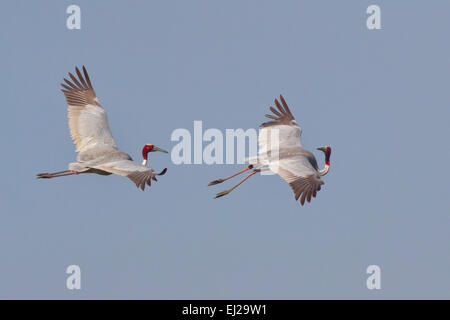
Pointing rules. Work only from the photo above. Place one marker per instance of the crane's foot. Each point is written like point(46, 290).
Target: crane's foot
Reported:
point(221, 194)
point(216, 182)
point(45, 175)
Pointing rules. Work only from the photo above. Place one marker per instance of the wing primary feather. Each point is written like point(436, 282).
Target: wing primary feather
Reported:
point(141, 178)
point(87, 77)
point(302, 199)
point(305, 188)
point(75, 81)
point(281, 116)
point(279, 106)
point(275, 111)
point(70, 84)
point(285, 105)
point(65, 87)
point(80, 76)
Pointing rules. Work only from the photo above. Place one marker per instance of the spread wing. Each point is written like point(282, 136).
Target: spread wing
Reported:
point(136, 172)
point(282, 133)
point(87, 120)
point(301, 176)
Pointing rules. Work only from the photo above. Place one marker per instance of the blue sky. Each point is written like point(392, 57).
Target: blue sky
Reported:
point(380, 98)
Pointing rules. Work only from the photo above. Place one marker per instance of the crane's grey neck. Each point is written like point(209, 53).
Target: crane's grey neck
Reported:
point(324, 171)
point(144, 162)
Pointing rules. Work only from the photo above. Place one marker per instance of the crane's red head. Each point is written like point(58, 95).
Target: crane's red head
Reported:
point(327, 151)
point(150, 148)
point(147, 148)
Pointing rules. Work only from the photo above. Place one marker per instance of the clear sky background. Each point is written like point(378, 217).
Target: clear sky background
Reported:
point(379, 98)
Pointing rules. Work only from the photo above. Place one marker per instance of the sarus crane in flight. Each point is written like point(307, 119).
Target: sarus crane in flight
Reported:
point(97, 151)
point(285, 156)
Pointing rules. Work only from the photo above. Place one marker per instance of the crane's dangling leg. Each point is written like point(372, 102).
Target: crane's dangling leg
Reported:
point(233, 175)
point(47, 175)
point(223, 193)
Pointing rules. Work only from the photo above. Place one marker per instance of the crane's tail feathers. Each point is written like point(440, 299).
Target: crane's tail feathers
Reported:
point(162, 172)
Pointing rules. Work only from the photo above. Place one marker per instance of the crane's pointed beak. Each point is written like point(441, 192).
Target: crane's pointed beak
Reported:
point(155, 148)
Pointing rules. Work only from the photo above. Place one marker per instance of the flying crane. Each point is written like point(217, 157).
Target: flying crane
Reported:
point(287, 158)
point(97, 151)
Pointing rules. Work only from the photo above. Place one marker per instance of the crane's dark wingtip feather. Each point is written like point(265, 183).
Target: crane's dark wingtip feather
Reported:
point(79, 91)
point(86, 75)
point(70, 84)
point(281, 114)
point(80, 77)
point(275, 111)
point(66, 87)
point(271, 116)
